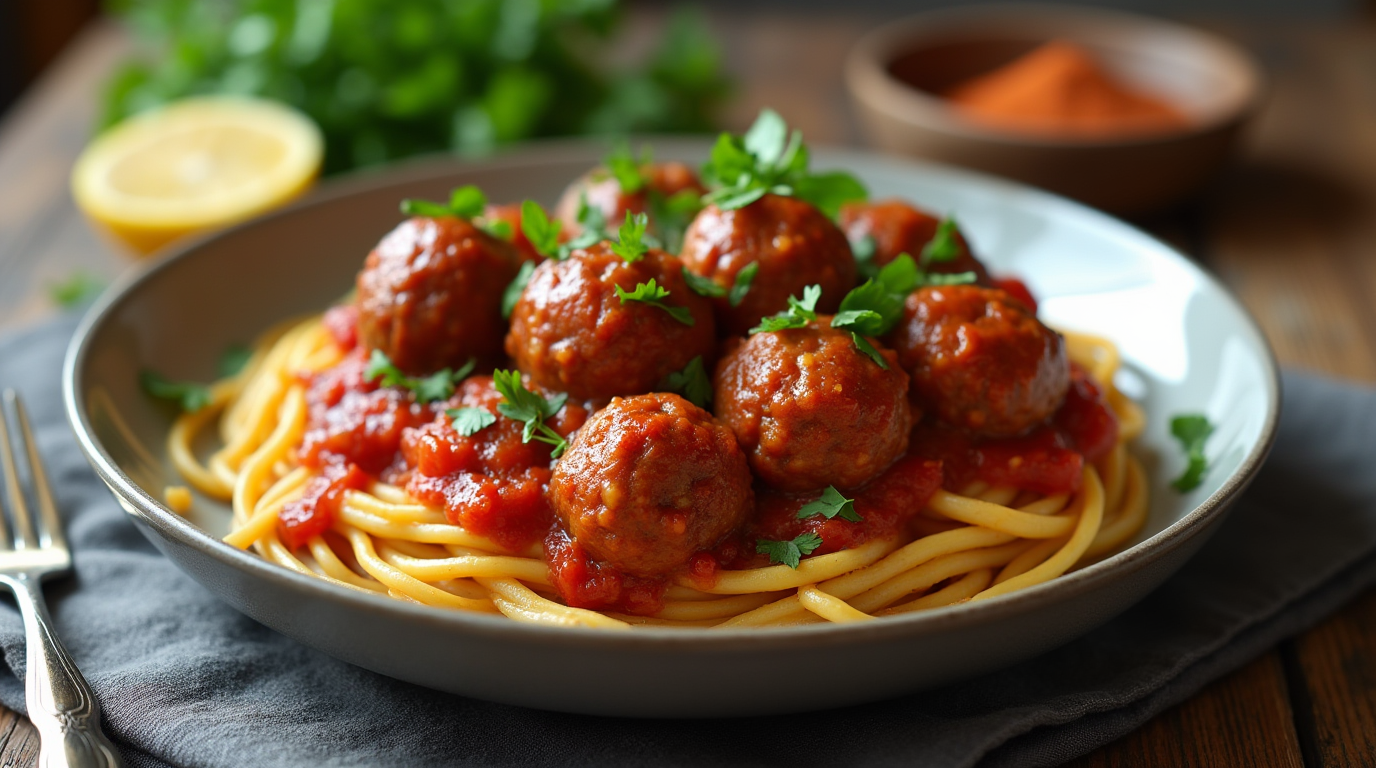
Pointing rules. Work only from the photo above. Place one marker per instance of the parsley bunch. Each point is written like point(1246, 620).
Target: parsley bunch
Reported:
point(769, 159)
point(426, 389)
point(520, 404)
point(386, 79)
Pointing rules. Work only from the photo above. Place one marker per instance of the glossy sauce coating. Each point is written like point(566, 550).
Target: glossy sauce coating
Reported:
point(604, 193)
point(794, 244)
point(571, 332)
point(648, 481)
point(430, 294)
point(980, 360)
point(491, 483)
point(897, 227)
point(811, 409)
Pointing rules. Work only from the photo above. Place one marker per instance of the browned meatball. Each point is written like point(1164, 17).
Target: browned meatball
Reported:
point(648, 481)
point(430, 294)
point(811, 409)
point(571, 332)
point(897, 228)
point(794, 244)
point(604, 193)
point(980, 359)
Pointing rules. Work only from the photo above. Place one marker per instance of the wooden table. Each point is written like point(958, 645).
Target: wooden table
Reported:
point(1291, 228)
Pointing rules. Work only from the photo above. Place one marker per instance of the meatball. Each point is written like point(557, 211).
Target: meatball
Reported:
point(794, 244)
point(811, 409)
point(571, 332)
point(430, 294)
point(980, 359)
point(897, 228)
point(648, 481)
point(604, 193)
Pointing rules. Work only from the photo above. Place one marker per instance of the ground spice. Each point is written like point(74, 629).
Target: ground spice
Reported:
point(1060, 88)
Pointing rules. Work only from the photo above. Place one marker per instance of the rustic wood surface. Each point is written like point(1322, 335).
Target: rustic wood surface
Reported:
point(1291, 227)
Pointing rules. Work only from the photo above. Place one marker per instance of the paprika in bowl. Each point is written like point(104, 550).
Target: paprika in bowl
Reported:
point(1123, 112)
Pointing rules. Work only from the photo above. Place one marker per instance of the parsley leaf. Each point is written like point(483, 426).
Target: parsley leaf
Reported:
point(233, 360)
point(771, 159)
point(626, 169)
point(789, 553)
point(520, 404)
point(498, 228)
point(654, 294)
point(703, 286)
point(692, 383)
point(741, 286)
point(188, 396)
point(901, 276)
point(465, 202)
point(469, 421)
point(78, 288)
point(542, 233)
point(798, 314)
point(672, 215)
point(830, 504)
point(1192, 430)
point(631, 239)
point(426, 389)
point(863, 250)
point(943, 246)
point(512, 294)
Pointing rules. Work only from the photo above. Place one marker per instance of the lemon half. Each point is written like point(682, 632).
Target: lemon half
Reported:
point(197, 164)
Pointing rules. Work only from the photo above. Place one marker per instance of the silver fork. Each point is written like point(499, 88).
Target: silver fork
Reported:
point(61, 704)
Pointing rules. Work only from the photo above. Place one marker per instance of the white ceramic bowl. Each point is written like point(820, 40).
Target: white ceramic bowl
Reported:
point(1187, 344)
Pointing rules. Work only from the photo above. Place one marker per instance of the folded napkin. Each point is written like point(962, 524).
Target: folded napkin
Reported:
point(186, 680)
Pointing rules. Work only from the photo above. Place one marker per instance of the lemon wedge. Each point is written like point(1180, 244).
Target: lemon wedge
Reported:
point(196, 164)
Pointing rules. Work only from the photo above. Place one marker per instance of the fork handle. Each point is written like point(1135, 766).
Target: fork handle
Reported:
point(61, 704)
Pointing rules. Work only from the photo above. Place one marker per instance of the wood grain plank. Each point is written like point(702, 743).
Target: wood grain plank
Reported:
point(1243, 719)
point(1339, 669)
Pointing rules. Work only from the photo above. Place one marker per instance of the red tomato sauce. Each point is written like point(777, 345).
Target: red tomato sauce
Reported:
point(586, 583)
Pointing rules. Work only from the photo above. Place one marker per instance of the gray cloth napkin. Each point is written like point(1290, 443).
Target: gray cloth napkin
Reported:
point(185, 680)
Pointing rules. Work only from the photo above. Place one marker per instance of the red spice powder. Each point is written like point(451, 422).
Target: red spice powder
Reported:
point(1060, 88)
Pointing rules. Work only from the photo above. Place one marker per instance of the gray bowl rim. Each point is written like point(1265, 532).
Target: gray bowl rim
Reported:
point(173, 527)
point(861, 62)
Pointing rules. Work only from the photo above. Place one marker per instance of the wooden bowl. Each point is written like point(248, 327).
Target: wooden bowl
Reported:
point(1212, 81)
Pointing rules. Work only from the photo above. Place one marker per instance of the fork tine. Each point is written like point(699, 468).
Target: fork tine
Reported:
point(9, 471)
point(49, 524)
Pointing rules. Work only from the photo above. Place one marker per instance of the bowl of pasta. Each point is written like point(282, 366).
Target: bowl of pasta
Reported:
point(597, 431)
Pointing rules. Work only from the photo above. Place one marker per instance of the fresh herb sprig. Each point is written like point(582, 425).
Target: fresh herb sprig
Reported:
point(470, 420)
point(520, 404)
point(632, 240)
point(425, 389)
point(541, 230)
point(654, 294)
point(741, 286)
point(798, 314)
point(692, 382)
point(76, 289)
point(189, 396)
point(875, 307)
point(512, 294)
point(771, 159)
point(467, 203)
point(626, 168)
point(1193, 431)
point(832, 503)
point(790, 552)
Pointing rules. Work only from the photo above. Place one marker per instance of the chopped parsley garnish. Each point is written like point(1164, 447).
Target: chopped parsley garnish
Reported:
point(830, 504)
point(465, 202)
point(703, 286)
point(798, 314)
point(469, 421)
point(692, 383)
point(512, 294)
point(187, 395)
point(863, 250)
point(672, 215)
point(233, 360)
point(654, 294)
point(1192, 430)
point(875, 307)
point(498, 228)
point(426, 389)
point(788, 552)
point(943, 246)
point(769, 159)
point(626, 169)
point(631, 240)
point(540, 230)
point(78, 288)
point(741, 286)
point(520, 404)
point(592, 227)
